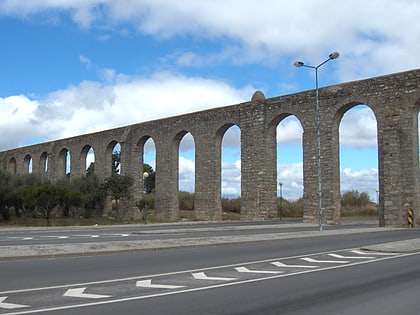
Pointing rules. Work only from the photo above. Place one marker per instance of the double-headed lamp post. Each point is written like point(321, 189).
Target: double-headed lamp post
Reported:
point(145, 188)
point(299, 64)
point(281, 200)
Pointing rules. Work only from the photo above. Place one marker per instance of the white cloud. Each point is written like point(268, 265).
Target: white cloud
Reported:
point(186, 174)
point(93, 106)
point(374, 37)
point(362, 180)
point(358, 128)
point(17, 128)
point(231, 178)
point(289, 131)
point(291, 175)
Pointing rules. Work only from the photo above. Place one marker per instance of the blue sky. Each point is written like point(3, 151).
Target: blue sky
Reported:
point(72, 67)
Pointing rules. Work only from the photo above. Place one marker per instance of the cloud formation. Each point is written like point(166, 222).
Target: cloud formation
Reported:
point(94, 106)
point(376, 36)
point(373, 37)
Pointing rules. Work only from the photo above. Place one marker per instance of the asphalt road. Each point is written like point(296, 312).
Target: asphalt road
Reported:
point(99, 234)
point(314, 275)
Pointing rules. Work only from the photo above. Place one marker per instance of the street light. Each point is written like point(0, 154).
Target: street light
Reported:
point(145, 176)
point(281, 200)
point(333, 55)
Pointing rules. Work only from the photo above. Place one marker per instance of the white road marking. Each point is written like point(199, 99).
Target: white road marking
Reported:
point(54, 236)
point(325, 261)
point(148, 284)
point(246, 270)
point(350, 257)
point(195, 289)
point(280, 264)
point(191, 287)
point(79, 293)
point(9, 306)
point(374, 253)
point(203, 276)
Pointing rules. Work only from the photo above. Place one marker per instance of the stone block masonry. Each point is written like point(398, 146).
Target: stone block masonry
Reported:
point(394, 99)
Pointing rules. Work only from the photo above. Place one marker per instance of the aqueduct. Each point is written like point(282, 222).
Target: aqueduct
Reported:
point(394, 99)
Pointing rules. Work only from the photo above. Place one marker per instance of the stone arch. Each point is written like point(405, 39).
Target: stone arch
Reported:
point(64, 162)
point(220, 173)
point(27, 164)
point(43, 162)
point(12, 165)
point(272, 137)
point(364, 150)
point(140, 152)
point(108, 157)
point(229, 169)
point(341, 110)
point(186, 174)
point(85, 159)
point(176, 142)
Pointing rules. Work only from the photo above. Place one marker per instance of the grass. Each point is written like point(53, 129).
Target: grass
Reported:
point(369, 212)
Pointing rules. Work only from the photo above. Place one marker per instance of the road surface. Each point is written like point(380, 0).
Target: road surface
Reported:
point(326, 274)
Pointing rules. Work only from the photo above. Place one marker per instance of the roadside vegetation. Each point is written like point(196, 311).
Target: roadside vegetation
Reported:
point(31, 200)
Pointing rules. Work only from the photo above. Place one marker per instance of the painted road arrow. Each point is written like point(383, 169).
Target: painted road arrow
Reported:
point(148, 284)
point(325, 261)
point(375, 253)
point(203, 276)
point(280, 264)
point(244, 269)
point(79, 293)
point(350, 257)
point(9, 306)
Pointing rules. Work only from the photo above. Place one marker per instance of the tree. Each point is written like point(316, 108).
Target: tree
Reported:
point(5, 189)
point(48, 197)
point(116, 161)
point(118, 187)
point(91, 169)
point(149, 182)
point(92, 193)
point(70, 202)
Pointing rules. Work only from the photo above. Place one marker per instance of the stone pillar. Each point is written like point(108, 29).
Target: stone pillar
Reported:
point(410, 176)
point(330, 169)
point(258, 184)
point(398, 167)
point(166, 189)
point(310, 176)
point(132, 166)
point(207, 201)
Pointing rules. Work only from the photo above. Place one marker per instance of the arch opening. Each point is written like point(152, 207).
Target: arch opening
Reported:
point(186, 174)
point(27, 162)
point(113, 158)
point(43, 162)
point(231, 171)
point(358, 158)
point(289, 165)
point(87, 159)
point(148, 167)
point(64, 162)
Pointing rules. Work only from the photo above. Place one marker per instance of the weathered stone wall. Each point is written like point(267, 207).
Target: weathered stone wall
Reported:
point(394, 99)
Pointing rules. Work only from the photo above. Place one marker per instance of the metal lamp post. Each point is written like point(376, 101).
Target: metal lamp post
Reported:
point(145, 176)
point(298, 64)
point(281, 200)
